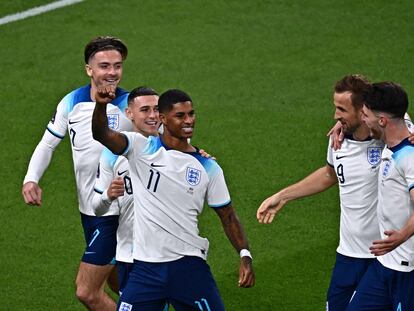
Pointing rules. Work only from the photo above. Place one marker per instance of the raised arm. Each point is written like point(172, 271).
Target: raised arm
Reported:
point(318, 181)
point(113, 140)
point(234, 231)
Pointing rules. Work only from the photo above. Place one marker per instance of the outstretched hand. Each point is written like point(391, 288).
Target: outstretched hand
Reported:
point(105, 94)
point(269, 208)
point(394, 239)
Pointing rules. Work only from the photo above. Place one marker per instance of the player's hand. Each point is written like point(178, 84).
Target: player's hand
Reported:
point(32, 193)
point(337, 136)
point(204, 154)
point(116, 188)
point(105, 94)
point(246, 274)
point(269, 208)
point(394, 239)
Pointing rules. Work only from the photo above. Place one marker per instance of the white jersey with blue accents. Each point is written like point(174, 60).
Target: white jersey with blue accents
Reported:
point(395, 206)
point(169, 192)
point(356, 165)
point(110, 167)
point(74, 115)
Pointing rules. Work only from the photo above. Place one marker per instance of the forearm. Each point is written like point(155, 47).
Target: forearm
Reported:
point(101, 203)
point(320, 180)
point(233, 229)
point(41, 158)
point(408, 229)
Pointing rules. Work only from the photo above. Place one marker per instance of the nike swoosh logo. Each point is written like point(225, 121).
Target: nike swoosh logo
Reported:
point(88, 253)
point(340, 157)
point(157, 165)
point(120, 173)
point(73, 122)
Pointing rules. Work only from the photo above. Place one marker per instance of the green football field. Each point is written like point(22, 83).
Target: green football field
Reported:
point(260, 74)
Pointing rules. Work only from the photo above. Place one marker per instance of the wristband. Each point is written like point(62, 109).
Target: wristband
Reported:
point(245, 253)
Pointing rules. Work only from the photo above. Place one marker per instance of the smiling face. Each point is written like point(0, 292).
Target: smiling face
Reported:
point(143, 112)
point(180, 120)
point(105, 68)
point(346, 113)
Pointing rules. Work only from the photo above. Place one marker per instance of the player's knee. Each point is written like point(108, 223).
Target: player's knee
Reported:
point(86, 295)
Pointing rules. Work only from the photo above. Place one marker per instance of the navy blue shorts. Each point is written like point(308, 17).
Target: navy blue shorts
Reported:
point(124, 268)
point(383, 289)
point(186, 283)
point(100, 238)
point(346, 275)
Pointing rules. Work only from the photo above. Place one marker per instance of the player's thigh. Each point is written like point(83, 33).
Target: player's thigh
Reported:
point(146, 288)
point(372, 292)
point(192, 286)
point(123, 271)
point(100, 238)
point(92, 277)
point(346, 275)
point(403, 290)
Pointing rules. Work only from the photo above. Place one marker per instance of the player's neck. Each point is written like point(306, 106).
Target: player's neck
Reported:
point(361, 133)
point(395, 133)
point(180, 144)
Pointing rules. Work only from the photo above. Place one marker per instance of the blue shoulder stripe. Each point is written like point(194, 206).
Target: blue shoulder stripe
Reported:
point(83, 94)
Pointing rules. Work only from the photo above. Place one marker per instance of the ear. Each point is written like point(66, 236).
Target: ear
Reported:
point(129, 113)
point(382, 121)
point(163, 119)
point(88, 70)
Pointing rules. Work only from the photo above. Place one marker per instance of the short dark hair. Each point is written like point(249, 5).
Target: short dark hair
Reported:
point(387, 97)
point(356, 84)
point(104, 44)
point(140, 91)
point(171, 97)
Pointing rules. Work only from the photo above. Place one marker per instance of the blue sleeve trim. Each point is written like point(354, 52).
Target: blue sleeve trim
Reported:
point(55, 134)
point(218, 206)
point(330, 164)
point(97, 190)
point(410, 187)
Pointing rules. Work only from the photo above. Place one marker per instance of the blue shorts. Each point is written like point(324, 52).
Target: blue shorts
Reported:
point(186, 283)
point(383, 289)
point(346, 274)
point(124, 268)
point(100, 237)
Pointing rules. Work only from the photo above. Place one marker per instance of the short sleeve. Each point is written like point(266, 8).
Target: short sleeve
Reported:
point(217, 193)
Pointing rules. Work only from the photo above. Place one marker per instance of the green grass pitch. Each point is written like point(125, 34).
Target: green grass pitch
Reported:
point(261, 76)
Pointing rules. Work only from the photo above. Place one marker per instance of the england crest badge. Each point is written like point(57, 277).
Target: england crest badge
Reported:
point(193, 176)
point(374, 155)
point(113, 121)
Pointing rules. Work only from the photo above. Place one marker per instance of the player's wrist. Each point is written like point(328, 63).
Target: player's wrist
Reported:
point(105, 198)
point(245, 253)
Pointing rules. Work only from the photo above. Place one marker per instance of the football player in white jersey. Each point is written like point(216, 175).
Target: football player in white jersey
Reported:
point(355, 169)
point(104, 58)
point(389, 282)
point(170, 181)
point(113, 187)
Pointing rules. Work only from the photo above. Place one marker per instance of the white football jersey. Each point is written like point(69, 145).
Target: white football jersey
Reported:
point(110, 167)
point(395, 207)
point(356, 165)
point(169, 191)
point(74, 115)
